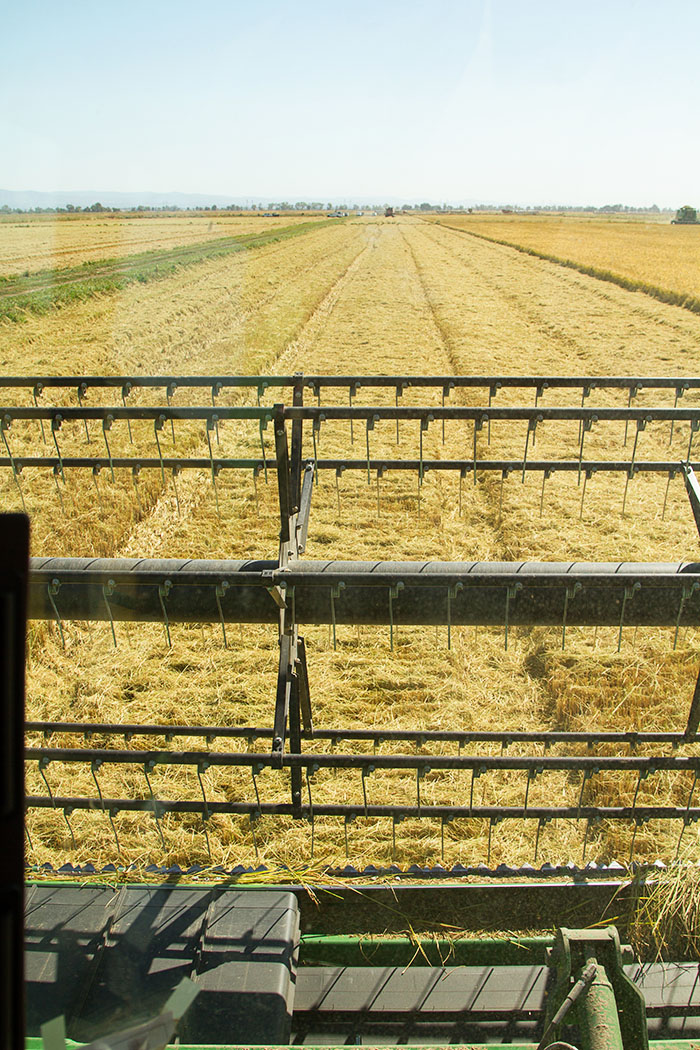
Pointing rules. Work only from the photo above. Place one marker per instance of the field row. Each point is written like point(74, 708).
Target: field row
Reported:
point(652, 256)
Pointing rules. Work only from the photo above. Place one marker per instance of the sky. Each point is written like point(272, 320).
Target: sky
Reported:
point(510, 101)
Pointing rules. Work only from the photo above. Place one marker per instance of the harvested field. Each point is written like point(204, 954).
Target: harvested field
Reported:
point(652, 254)
point(368, 297)
point(29, 243)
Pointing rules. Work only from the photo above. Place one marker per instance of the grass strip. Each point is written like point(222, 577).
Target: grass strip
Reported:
point(664, 295)
point(41, 291)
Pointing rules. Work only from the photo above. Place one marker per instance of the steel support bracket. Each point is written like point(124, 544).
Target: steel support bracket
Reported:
point(591, 989)
point(292, 698)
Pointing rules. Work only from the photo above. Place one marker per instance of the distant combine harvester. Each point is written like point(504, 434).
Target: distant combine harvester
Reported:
point(685, 216)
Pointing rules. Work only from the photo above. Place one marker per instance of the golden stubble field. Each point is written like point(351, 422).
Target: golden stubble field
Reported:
point(368, 297)
point(42, 242)
point(652, 252)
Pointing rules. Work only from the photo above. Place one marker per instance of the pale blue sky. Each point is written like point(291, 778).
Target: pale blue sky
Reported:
point(502, 100)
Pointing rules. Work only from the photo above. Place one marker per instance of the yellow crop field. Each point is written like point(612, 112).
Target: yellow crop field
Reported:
point(653, 253)
point(40, 242)
point(373, 296)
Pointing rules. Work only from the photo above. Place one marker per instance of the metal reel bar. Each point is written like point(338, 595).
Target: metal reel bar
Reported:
point(315, 383)
point(423, 413)
point(492, 593)
point(420, 738)
point(541, 764)
point(303, 812)
point(462, 466)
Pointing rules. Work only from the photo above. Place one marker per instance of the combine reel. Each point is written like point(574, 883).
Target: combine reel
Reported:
point(274, 966)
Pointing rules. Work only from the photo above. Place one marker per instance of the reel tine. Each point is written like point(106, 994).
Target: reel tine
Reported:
point(148, 767)
point(52, 590)
point(96, 471)
point(394, 591)
point(588, 474)
point(546, 475)
point(215, 391)
point(338, 474)
point(16, 466)
point(174, 475)
point(211, 423)
point(169, 394)
point(256, 471)
point(311, 818)
point(107, 592)
point(126, 390)
point(107, 426)
point(202, 767)
point(135, 471)
point(36, 393)
point(94, 766)
point(43, 765)
point(55, 473)
point(220, 592)
point(671, 475)
point(158, 425)
point(349, 818)
point(56, 423)
point(67, 810)
point(633, 391)
point(335, 594)
point(82, 391)
point(541, 825)
point(628, 595)
point(163, 592)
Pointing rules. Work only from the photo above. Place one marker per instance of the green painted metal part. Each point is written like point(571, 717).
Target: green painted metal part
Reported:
point(598, 1018)
point(611, 1012)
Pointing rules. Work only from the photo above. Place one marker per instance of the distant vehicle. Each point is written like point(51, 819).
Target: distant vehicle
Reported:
point(360, 213)
point(389, 212)
point(267, 215)
point(685, 216)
